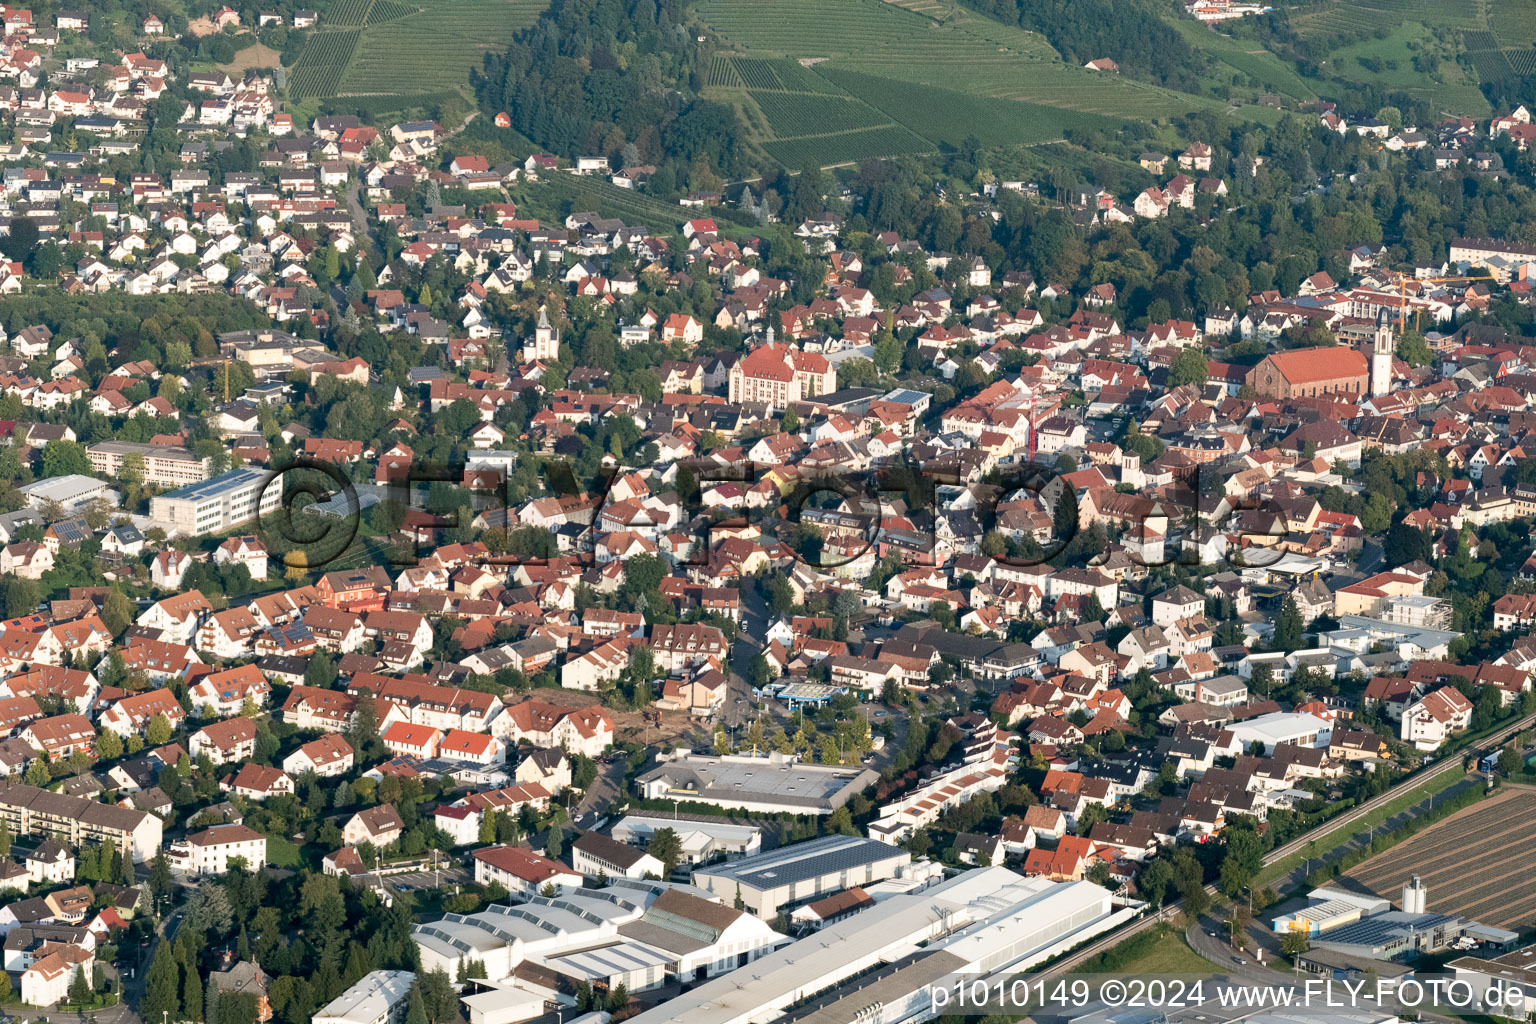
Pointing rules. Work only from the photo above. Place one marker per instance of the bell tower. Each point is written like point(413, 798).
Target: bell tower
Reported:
point(1381, 356)
point(545, 343)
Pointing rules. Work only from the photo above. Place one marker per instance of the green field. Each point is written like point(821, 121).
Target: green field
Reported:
point(968, 54)
point(573, 193)
point(1246, 57)
point(397, 49)
point(318, 69)
point(948, 117)
point(832, 83)
point(283, 853)
point(1365, 17)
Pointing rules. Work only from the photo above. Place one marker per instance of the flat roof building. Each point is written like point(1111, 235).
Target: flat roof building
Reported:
point(802, 872)
point(217, 504)
point(378, 998)
point(164, 465)
point(638, 933)
point(71, 491)
point(701, 840)
point(1303, 729)
point(772, 784)
point(985, 921)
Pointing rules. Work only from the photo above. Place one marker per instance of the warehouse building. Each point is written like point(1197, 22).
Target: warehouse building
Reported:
point(771, 785)
point(380, 997)
point(984, 921)
point(72, 491)
point(217, 504)
point(640, 934)
point(802, 872)
point(701, 840)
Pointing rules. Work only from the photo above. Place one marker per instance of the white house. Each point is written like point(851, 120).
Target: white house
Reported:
point(1430, 720)
point(596, 855)
point(211, 851)
point(520, 870)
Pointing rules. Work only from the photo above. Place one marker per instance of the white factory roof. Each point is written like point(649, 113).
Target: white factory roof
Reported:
point(643, 824)
point(1279, 727)
point(370, 999)
point(62, 489)
point(602, 964)
point(878, 935)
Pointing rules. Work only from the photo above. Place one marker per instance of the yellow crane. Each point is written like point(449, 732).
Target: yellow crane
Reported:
point(1402, 292)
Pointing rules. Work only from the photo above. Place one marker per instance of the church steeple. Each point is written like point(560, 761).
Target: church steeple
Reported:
point(1381, 355)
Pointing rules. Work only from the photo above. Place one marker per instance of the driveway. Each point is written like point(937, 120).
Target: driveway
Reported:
point(608, 787)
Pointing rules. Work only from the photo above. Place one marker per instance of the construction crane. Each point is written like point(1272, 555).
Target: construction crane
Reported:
point(1402, 293)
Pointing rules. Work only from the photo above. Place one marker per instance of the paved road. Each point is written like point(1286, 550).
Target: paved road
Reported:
point(355, 197)
point(755, 620)
point(608, 787)
point(1445, 764)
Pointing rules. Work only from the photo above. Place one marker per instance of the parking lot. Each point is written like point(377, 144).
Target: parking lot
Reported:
point(417, 881)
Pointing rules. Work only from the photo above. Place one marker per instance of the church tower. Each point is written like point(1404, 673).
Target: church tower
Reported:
point(1381, 356)
point(545, 343)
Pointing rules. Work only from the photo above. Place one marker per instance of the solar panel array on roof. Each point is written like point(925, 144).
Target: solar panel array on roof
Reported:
point(215, 486)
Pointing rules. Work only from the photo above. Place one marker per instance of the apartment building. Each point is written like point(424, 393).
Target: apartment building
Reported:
point(30, 811)
point(211, 851)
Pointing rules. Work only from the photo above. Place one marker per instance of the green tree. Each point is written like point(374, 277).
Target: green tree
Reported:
point(161, 986)
point(79, 987)
point(20, 596)
point(1243, 858)
point(1189, 367)
point(667, 847)
point(321, 670)
point(1288, 626)
point(160, 882)
point(1293, 944)
point(63, 458)
point(416, 1009)
point(37, 773)
point(117, 612)
point(158, 732)
point(1154, 881)
point(556, 842)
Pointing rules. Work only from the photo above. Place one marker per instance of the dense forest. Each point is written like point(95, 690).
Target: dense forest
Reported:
point(614, 77)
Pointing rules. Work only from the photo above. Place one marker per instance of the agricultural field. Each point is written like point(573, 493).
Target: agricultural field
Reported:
point(1365, 17)
point(1513, 22)
point(861, 78)
point(347, 13)
point(436, 46)
point(390, 48)
point(1492, 835)
point(948, 117)
point(319, 67)
point(847, 147)
point(967, 54)
point(791, 113)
